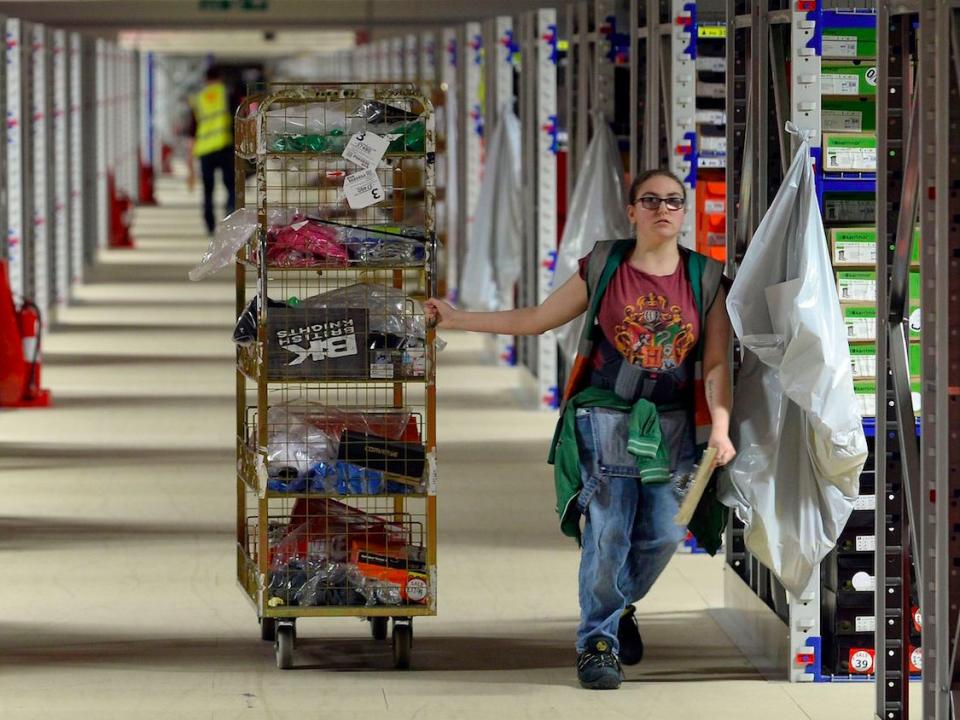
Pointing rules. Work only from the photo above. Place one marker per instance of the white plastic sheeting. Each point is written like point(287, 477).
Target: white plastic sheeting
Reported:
point(597, 212)
point(494, 252)
point(795, 423)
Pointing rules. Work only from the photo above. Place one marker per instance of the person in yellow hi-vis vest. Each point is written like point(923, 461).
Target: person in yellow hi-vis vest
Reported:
point(213, 142)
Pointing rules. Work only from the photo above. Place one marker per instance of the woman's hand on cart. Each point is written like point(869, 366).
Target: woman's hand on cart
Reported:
point(440, 313)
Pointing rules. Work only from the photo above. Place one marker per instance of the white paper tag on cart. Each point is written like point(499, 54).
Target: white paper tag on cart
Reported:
point(363, 189)
point(366, 149)
point(432, 472)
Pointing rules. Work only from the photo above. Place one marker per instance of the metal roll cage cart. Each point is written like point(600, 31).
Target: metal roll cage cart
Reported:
point(337, 479)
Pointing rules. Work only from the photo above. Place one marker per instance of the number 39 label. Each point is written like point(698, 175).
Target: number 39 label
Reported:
point(363, 189)
point(861, 661)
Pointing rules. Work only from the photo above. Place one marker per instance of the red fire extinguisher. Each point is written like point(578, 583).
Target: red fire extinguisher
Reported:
point(30, 331)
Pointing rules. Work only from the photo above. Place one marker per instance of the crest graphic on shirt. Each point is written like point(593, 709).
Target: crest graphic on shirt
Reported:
point(654, 334)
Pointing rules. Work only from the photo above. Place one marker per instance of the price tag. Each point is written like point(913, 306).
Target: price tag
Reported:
point(916, 660)
point(366, 149)
point(363, 189)
point(861, 661)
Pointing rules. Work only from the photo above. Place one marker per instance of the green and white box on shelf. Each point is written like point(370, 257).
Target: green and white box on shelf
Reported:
point(849, 43)
point(861, 321)
point(849, 152)
point(848, 79)
point(848, 115)
point(866, 393)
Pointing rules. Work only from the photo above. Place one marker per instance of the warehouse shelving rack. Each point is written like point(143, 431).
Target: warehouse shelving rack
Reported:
point(538, 37)
point(938, 489)
point(389, 527)
point(760, 29)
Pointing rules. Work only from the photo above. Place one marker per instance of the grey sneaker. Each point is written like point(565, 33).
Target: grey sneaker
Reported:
point(597, 667)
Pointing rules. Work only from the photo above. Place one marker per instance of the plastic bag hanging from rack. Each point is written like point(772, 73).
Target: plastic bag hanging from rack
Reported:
point(795, 423)
point(493, 260)
point(597, 212)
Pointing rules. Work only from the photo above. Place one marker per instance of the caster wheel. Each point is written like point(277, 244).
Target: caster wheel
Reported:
point(283, 645)
point(378, 627)
point(268, 629)
point(402, 642)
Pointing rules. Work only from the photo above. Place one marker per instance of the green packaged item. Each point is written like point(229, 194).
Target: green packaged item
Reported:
point(861, 322)
point(849, 152)
point(332, 142)
point(856, 115)
point(848, 78)
point(849, 43)
point(857, 285)
point(412, 138)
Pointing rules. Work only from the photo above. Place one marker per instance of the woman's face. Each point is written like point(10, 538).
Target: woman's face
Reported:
point(660, 223)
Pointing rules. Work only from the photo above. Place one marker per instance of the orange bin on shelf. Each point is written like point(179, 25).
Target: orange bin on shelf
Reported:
point(712, 217)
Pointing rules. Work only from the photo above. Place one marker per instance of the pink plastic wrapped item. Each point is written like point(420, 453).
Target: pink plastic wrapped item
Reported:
point(305, 243)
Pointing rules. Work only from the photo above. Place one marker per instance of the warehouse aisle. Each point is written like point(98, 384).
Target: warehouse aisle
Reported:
point(116, 537)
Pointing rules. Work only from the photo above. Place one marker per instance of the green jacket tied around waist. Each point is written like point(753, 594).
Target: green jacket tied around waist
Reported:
point(643, 441)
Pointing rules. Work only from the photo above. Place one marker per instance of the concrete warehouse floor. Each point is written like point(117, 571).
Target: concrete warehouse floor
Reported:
point(119, 597)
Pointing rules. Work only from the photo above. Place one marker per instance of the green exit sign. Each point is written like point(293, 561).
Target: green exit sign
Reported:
point(226, 5)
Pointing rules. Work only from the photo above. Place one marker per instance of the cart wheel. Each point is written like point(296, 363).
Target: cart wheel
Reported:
point(402, 641)
point(268, 629)
point(283, 645)
point(378, 626)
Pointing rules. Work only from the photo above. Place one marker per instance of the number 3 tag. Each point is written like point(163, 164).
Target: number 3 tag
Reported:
point(363, 189)
point(366, 149)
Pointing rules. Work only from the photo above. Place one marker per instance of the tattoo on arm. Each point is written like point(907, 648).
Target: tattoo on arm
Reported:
point(708, 388)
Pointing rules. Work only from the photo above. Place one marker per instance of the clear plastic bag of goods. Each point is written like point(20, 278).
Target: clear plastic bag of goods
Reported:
point(795, 423)
point(305, 243)
point(313, 127)
point(294, 445)
point(494, 239)
point(597, 212)
point(230, 235)
point(332, 583)
point(392, 311)
point(384, 246)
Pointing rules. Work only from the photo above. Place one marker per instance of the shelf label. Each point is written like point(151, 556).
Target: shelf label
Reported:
point(366, 149)
point(865, 623)
point(865, 502)
point(866, 543)
point(363, 189)
point(842, 121)
point(841, 46)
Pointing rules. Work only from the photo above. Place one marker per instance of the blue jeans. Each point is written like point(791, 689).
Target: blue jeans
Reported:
point(629, 535)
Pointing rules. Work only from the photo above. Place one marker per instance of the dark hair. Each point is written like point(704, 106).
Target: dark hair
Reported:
point(647, 174)
point(213, 73)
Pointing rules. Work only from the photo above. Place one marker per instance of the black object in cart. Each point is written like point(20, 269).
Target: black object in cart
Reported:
point(377, 453)
point(318, 343)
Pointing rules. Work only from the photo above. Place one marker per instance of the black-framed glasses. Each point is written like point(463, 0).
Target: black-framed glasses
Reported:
point(652, 202)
